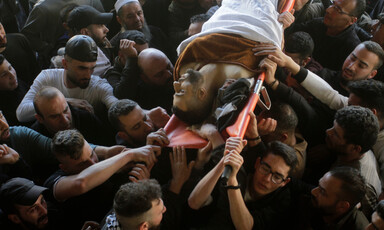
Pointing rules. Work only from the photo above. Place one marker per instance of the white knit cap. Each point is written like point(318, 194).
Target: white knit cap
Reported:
point(120, 3)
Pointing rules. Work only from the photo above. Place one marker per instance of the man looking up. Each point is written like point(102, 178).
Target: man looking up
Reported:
point(75, 81)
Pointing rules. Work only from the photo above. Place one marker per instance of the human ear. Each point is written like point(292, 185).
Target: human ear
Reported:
point(84, 31)
point(372, 74)
point(202, 94)
point(144, 226)
point(14, 218)
point(39, 118)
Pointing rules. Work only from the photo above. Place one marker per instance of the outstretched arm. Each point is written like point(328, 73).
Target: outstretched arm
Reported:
point(98, 173)
point(310, 81)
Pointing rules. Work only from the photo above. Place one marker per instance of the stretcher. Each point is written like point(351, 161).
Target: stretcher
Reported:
point(179, 135)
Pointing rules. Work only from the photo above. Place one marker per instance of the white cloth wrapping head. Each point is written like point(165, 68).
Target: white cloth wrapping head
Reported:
point(252, 19)
point(120, 3)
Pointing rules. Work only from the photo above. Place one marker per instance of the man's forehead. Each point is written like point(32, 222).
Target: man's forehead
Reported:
point(132, 7)
point(277, 163)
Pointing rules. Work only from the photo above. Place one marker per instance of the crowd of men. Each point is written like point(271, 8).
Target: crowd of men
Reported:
point(88, 86)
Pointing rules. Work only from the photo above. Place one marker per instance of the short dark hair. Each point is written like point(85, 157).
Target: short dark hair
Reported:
point(353, 186)
point(68, 143)
point(371, 93)
point(120, 108)
point(300, 42)
point(284, 115)
point(284, 151)
point(134, 199)
point(380, 209)
point(2, 58)
point(199, 18)
point(134, 35)
point(359, 8)
point(375, 48)
point(360, 126)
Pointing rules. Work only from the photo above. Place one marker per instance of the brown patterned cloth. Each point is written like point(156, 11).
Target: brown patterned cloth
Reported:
point(219, 48)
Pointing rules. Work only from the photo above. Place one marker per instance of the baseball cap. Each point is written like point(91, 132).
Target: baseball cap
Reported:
point(83, 16)
point(19, 191)
point(81, 48)
point(120, 3)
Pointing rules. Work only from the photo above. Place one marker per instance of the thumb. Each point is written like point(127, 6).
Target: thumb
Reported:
point(244, 142)
point(292, 11)
point(207, 147)
point(191, 165)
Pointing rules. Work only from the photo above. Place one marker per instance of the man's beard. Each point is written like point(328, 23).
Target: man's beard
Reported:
point(78, 84)
point(146, 31)
point(32, 226)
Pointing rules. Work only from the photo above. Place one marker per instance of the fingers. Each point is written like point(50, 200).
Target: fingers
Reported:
point(3, 150)
point(234, 143)
point(267, 126)
point(234, 160)
point(159, 138)
point(139, 172)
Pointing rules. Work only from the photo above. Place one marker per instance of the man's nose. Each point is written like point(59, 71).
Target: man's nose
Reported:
point(176, 86)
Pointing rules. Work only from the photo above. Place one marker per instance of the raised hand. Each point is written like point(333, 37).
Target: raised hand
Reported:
point(180, 169)
point(158, 138)
point(234, 144)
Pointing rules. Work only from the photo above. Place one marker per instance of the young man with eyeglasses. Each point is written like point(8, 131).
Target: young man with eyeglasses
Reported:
point(248, 200)
point(336, 34)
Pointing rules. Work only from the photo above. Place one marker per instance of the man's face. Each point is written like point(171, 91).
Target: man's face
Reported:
point(156, 213)
point(376, 224)
point(325, 197)
point(137, 126)
point(34, 216)
point(378, 33)
point(79, 73)
point(3, 38)
point(8, 77)
point(160, 73)
point(262, 181)
point(71, 166)
point(55, 114)
point(98, 32)
point(337, 16)
point(132, 16)
point(4, 128)
point(185, 90)
point(359, 65)
point(335, 139)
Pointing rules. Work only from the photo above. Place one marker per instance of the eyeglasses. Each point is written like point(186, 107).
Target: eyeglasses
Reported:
point(338, 9)
point(265, 169)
